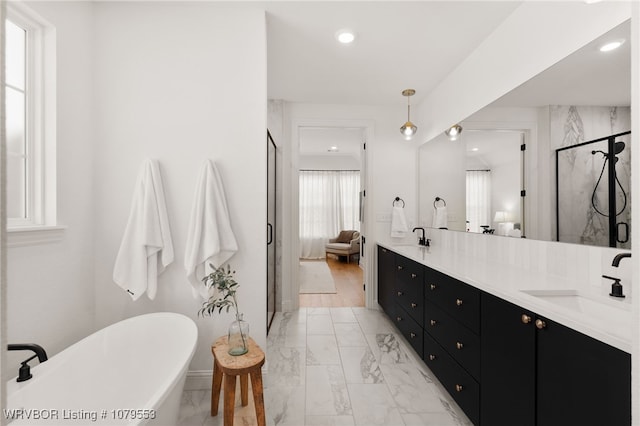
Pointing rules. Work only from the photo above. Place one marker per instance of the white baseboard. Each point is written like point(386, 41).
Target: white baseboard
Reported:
point(201, 379)
point(198, 380)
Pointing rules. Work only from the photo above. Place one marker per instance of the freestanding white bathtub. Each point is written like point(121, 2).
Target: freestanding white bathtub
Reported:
point(129, 373)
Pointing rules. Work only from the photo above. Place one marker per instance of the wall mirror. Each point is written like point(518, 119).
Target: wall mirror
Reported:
point(548, 161)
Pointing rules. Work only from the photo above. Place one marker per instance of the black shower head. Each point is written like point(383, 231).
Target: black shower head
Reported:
point(618, 147)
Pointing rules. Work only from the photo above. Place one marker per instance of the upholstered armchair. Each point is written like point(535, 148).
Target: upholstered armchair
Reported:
point(345, 244)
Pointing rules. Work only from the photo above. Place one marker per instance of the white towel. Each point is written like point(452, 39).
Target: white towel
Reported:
point(210, 238)
point(146, 248)
point(398, 222)
point(440, 217)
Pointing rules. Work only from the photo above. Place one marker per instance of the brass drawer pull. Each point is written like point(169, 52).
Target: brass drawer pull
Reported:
point(399, 268)
point(399, 319)
point(459, 345)
point(413, 275)
point(432, 357)
point(458, 302)
point(432, 286)
point(433, 323)
point(413, 305)
point(526, 319)
point(399, 293)
point(459, 388)
point(540, 324)
point(413, 335)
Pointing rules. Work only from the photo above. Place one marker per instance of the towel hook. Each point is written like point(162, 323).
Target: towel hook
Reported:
point(439, 199)
point(396, 200)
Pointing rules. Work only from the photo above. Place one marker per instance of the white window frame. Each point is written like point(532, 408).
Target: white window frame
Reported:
point(40, 224)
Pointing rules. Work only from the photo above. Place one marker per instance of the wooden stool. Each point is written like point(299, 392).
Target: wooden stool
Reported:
point(230, 366)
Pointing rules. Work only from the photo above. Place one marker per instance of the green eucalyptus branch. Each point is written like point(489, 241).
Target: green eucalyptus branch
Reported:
point(224, 295)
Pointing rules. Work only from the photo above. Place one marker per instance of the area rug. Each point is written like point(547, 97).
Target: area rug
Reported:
point(315, 277)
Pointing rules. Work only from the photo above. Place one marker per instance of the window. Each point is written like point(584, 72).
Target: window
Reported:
point(18, 150)
point(478, 199)
point(29, 86)
point(329, 203)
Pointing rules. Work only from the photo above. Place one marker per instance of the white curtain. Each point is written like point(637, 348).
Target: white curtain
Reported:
point(478, 199)
point(329, 202)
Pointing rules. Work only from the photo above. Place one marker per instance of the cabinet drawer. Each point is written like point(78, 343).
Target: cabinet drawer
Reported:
point(414, 306)
point(462, 344)
point(410, 296)
point(462, 387)
point(409, 272)
point(456, 298)
point(410, 329)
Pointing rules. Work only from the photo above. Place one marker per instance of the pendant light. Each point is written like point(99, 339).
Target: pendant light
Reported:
point(453, 132)
point(408, 129)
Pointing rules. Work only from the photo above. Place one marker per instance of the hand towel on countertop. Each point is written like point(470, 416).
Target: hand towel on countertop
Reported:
point(146, 248)
point(210, 238)
point(398, 222)
point(440, 217)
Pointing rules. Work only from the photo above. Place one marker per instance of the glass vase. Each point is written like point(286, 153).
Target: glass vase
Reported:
point(238, 337)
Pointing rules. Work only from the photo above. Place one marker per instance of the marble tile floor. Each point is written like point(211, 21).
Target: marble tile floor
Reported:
point(337, 366)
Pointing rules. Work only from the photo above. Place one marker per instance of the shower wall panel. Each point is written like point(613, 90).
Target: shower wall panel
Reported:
point(579, 171)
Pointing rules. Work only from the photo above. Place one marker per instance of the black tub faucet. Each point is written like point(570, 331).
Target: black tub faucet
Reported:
point(423, 241)
point(24, 373)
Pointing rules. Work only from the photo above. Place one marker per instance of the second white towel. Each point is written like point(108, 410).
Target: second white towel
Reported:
point(210, 239)
point(440, 217)
point(399, 226)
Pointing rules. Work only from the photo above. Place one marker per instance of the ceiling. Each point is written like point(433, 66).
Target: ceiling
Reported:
point(490, 148)
point(398, 45)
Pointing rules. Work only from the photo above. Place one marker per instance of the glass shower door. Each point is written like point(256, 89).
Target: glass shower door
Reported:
point(271, 229)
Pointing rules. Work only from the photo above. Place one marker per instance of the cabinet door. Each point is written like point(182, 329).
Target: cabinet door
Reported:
point(581, 381)
point(507, 366)
point(386, 281)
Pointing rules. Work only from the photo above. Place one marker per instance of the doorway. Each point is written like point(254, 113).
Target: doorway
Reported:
point(331, 186)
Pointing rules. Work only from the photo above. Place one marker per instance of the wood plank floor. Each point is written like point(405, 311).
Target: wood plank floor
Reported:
point(348, 278)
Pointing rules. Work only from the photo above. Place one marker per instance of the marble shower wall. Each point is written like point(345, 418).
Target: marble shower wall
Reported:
point(579, 171)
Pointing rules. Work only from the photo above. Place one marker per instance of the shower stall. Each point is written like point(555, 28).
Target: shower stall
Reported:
point(593, 192)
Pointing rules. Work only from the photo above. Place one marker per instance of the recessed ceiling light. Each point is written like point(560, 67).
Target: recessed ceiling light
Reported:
point(345, 36)
point(611, 46)
point(474, 149)
point(333, 149)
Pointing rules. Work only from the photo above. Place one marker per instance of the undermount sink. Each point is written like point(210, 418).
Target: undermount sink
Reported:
point(573, 299)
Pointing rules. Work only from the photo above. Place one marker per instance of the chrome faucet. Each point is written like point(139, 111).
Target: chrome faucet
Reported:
point(422, 240)
point(618, 258)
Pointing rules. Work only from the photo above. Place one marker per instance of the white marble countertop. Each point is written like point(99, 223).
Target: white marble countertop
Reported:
point(603, 318)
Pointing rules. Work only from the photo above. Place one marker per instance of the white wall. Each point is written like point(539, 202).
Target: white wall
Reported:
point(50, 286)
point(181, 83)
point(442, 174)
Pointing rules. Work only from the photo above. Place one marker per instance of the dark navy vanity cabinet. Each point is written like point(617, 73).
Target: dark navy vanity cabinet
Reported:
point(503, 365)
